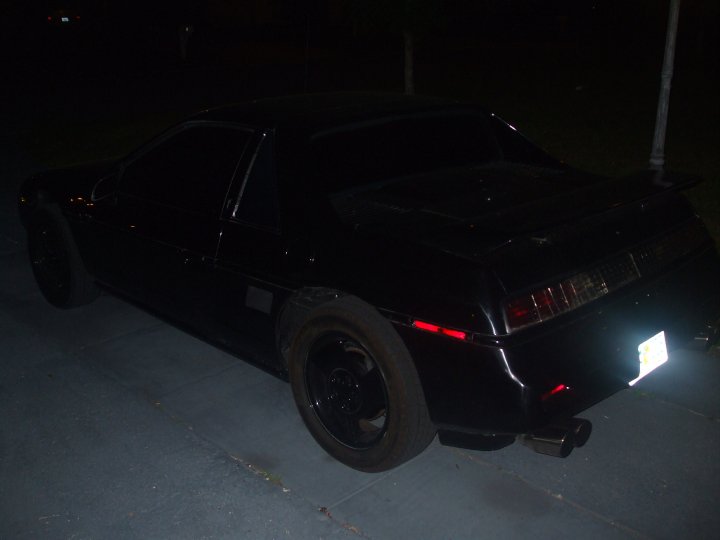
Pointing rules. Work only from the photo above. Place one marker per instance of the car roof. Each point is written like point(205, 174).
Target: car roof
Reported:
point(316, 110)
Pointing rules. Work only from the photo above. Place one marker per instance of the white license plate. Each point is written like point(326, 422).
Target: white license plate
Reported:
point(652, 354)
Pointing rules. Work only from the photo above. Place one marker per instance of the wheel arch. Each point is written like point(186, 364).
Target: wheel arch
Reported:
point(34, 200)
point(294, 311)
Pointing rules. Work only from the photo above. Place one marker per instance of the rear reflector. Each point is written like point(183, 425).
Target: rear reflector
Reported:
point(559, 388)
point(428, 327)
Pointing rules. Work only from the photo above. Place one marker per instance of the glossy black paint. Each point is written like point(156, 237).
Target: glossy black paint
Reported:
point(443, 246)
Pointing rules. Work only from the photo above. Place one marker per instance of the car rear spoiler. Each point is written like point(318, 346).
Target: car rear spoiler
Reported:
point(597, 198)
point(658, 181)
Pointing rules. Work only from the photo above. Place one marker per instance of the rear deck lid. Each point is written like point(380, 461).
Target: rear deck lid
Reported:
point(472, 212)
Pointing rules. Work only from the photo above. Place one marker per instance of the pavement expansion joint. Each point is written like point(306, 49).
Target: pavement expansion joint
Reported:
point(206, 376)
point(121, 336)
point(277, 481)
point(688, 409)
point(362, 488)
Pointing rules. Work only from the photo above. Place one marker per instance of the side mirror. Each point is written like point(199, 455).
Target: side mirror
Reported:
point(106, 186)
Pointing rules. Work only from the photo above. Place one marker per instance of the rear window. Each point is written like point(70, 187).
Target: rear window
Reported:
point(374, 151)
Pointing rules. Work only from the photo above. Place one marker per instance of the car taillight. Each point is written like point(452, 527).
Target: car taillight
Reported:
point(646, 259)
point(550, 301)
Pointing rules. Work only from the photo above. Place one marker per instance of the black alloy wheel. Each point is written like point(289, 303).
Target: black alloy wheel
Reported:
point(56, 262)
point(347, 391)
point(356, 387)
point(50, 261)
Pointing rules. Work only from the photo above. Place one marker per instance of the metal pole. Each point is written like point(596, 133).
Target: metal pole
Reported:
point(657, 155)
point(307, 47)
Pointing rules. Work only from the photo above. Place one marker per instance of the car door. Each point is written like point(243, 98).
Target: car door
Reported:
point(163, 224)
point(259, 263)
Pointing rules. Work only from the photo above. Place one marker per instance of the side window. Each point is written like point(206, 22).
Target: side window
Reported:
point(191, 170)
point(257, 204)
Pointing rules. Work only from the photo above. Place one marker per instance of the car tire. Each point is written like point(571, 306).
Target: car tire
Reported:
point(356, 387)
point(55, 260)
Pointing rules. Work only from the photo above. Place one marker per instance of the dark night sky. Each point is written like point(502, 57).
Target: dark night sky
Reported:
point(152, 24)
point(132, 37)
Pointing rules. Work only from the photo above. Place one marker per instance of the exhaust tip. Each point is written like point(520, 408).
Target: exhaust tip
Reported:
point(581, 430)
point(707, 338)
point(553, 441)
point(558, 440)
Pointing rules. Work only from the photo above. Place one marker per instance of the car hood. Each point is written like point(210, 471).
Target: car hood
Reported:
point(65, 184)
point(79, 178)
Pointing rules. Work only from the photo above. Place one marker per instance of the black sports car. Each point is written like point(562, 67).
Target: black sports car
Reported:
point(413, 266)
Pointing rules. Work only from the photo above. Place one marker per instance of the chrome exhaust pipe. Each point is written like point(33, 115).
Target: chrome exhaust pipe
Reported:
point(581, 430)
point(559, 439)
point(707, 338)
point(553, 441)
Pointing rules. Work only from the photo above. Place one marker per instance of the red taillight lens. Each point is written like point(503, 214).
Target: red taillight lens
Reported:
point(548, 302)
point(428, 327)
point(520, 312)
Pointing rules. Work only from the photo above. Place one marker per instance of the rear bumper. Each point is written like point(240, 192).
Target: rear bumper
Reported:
point(504, 386)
